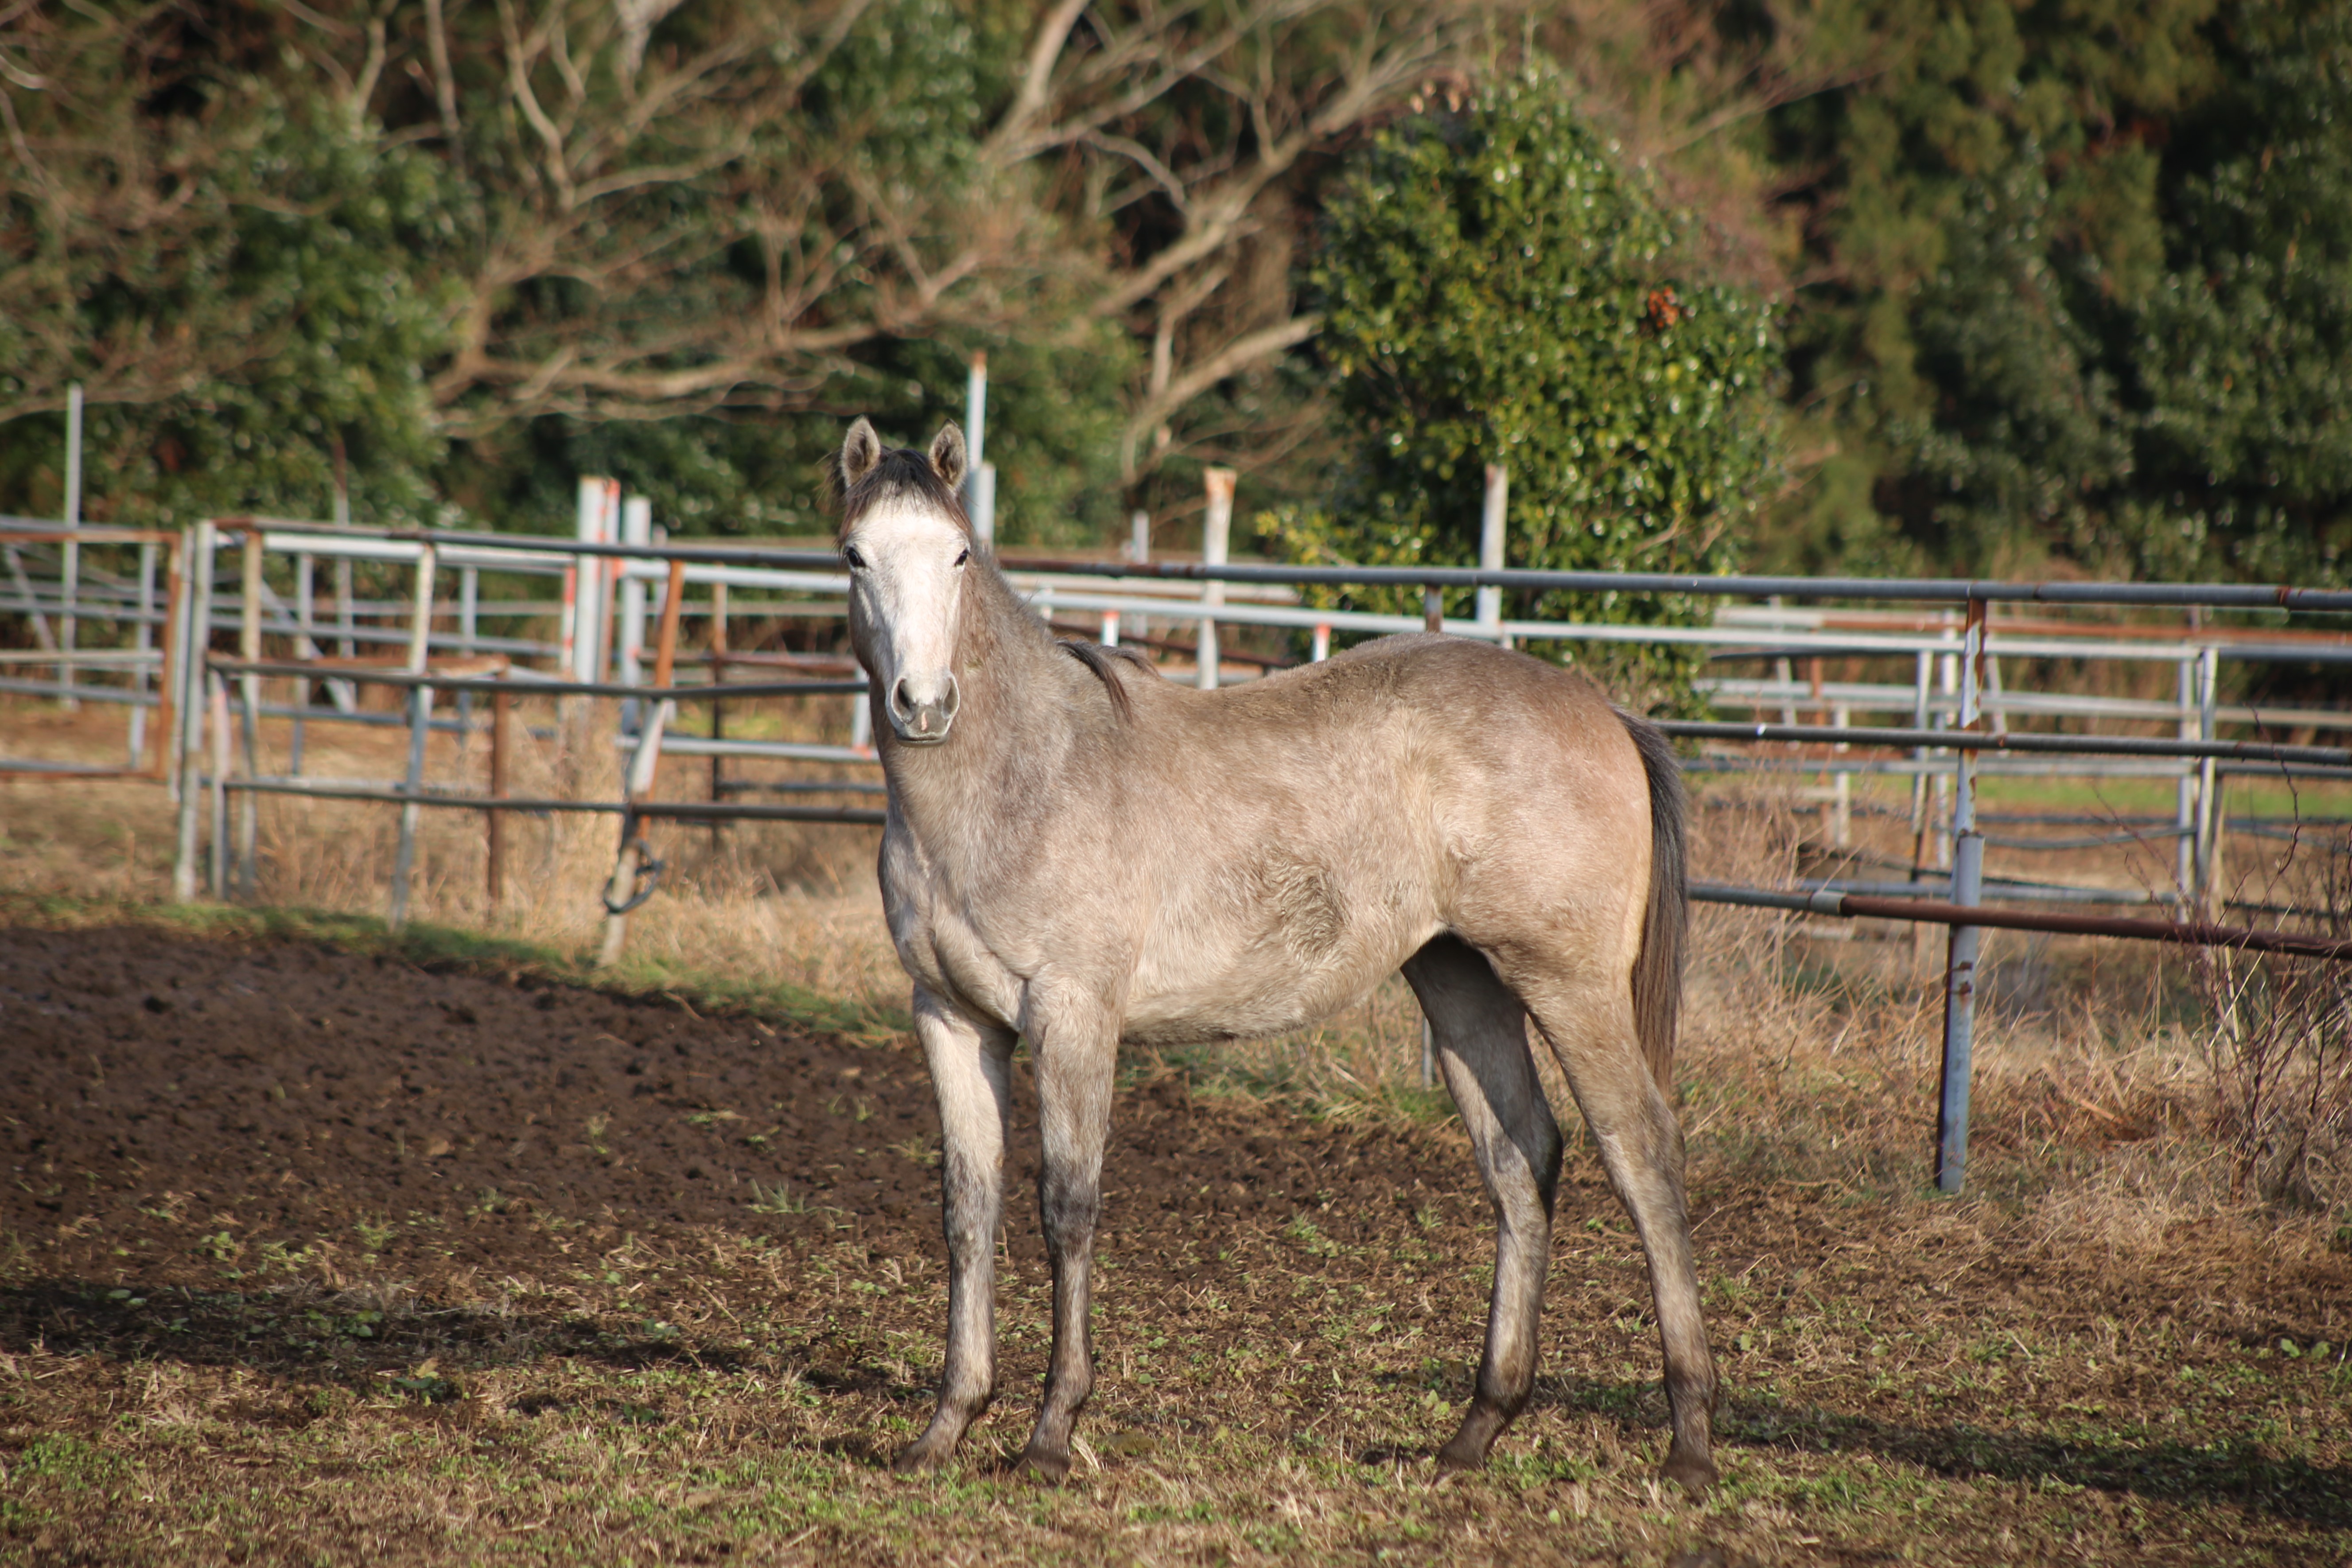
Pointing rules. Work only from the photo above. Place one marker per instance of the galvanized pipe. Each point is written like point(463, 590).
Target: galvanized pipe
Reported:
point(420, 711)
point(1960, 965)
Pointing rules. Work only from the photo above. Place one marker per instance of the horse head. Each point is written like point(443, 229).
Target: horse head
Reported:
point(906, 543)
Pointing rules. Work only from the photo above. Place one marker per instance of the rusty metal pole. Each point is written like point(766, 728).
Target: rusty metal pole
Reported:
point(169, 694)
point(645, 767)
point(1960, 962)
point(718, 709)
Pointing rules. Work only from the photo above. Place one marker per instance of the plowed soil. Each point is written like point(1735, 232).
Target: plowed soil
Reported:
point(281, 1178)
point(303, 1091)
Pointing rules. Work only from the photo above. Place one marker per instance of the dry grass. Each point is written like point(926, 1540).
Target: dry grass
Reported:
point(2128, 1401)
point(1810, 1048)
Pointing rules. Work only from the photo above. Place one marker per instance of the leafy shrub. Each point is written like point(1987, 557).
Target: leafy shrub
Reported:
point(1498, 286)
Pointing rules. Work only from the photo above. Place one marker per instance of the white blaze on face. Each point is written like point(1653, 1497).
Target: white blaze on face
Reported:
point(906, 562)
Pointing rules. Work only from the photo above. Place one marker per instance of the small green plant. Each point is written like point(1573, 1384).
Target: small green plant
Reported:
point(778, 1200)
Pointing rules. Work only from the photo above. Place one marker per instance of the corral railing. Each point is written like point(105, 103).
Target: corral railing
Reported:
point(620, 595)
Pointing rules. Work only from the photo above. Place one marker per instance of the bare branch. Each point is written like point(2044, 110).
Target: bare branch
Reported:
point(1234, 357)
point(444, 80)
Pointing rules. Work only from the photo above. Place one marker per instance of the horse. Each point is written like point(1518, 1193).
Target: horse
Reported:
point(1080, 853)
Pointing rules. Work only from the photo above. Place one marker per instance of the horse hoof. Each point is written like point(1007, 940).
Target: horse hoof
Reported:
point(1695, 1473)
point(921, 1456)
point(1050, 1468)
point(1463, 1453)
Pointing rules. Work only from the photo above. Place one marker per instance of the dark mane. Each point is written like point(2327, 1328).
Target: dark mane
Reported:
point(900, 471)
point(1098, 658)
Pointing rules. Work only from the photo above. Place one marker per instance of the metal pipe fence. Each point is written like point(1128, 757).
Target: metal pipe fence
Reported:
point(618, 575)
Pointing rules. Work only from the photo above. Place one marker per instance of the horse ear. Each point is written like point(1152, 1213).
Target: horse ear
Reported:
point(949, 459)
point(860, 452)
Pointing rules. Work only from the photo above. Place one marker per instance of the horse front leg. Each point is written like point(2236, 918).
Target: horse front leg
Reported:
point(970, 1065)
point(1075, 1047)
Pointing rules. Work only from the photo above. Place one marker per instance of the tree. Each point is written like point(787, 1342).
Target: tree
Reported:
point(701, 216)
point(1498, 288)
point(2081, 292)
point(2237, 366)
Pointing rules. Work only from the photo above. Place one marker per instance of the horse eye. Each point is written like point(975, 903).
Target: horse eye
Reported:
point(963, 556)
point(857, 561)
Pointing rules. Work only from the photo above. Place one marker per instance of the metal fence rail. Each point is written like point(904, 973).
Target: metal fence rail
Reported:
point(616, 577)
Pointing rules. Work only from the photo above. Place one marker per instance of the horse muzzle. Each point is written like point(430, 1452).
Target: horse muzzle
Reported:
point(923, 710)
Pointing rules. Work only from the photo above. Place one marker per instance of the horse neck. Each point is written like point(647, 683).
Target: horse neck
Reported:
point(1011, 718)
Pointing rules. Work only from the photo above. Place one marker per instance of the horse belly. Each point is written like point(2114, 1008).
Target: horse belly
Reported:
point(1202, 992)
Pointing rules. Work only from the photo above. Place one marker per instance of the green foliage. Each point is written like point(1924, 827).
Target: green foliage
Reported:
point(1052, 433)
point(294, 248)
point(251, 242)
point(1499, 289)
point(2085, 293)
point(2241, 359)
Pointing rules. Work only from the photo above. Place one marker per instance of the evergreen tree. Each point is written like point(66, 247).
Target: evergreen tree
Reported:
point(2084, 296)
point(1497, 288)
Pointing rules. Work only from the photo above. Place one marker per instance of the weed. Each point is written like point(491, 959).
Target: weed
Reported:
point(779, 1199)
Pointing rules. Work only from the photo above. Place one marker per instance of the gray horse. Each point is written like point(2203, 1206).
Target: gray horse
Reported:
point(1080, 853)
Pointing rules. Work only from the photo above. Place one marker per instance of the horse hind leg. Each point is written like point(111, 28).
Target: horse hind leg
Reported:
point(1592, 1032)
point(1480, 1032)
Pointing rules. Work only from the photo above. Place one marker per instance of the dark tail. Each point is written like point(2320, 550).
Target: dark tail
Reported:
point(1658, 971)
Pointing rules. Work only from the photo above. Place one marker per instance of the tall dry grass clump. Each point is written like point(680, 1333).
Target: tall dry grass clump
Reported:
point(2279, 1049)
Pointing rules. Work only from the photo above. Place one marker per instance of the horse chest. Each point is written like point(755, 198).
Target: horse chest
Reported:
point(946, 950)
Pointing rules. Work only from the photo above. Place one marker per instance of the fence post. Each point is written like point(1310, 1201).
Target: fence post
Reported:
point(2209, 816)
point(983, 505)
point(2185, 789)
point(501, 722)
point(1841, 784)
point(216, 710)
point(645, 767)
point(980, 474)
point(1949, 679)
point(420, 720)
point(189, 741)
point(581, 584)
point(248, 690)
point(171, 698)
point(636, 528)
point(719, 650)
point(71, 584)
point(1490, 547)
point(1216, 530)
point(1321, 647)
point(305, 617)
point(143, 639)
point(1960, 966)
point(608, 532)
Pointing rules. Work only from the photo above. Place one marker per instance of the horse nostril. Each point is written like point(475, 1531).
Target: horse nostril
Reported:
point(900, 703)
point(951, 698)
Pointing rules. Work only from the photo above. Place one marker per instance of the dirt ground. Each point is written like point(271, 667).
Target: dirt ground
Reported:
point(317, 1253)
